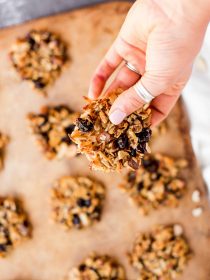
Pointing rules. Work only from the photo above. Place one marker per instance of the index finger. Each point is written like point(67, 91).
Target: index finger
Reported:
point(105, 69)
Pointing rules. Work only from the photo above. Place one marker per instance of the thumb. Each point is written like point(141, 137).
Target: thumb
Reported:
point(129, 101)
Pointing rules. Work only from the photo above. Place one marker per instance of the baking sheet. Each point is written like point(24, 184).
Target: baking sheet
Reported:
point(52, 251)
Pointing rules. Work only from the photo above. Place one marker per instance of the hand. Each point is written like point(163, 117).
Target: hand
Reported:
point(161, 40)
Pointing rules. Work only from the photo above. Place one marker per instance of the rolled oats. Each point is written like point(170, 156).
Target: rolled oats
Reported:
point(77, 202)
point(14, 225)
point(155, 183)
point(39, 57)
point(3, 142)
point(98, 267)
point(111, 147)
point(160, 254)
point(51, 128)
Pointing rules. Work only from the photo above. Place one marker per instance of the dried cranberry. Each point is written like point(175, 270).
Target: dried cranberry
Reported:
point(39, 83)
point(32, 43)
point(84, 125)
point(82, 267)
point(76, 219)
point(140, 186)
point(150, 165)
point(97, 210)
point(83, 202)
point(66, 140)
point(131, 176)
point(45, 135)
point(122, 141)
point(44, 119)
point(144, 135)
point(3, 247)
point(142, 147)
point(69, 128)
point(133, 152)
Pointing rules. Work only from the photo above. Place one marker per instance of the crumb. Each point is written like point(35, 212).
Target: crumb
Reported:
point(196, 196)
point(197, 212)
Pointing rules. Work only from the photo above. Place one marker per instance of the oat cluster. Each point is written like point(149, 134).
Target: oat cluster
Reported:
point(51, 128)
point(160, 254)
point(156, 183)
point(14, 225)
point(3, 142)
point(98, 267)
point(39, 57)
point(77, 202)
point(111, 147)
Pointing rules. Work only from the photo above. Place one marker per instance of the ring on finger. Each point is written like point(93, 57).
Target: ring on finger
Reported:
point(132, 68)
point(143, 93)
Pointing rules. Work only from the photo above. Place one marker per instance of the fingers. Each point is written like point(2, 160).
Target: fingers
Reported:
point(126, 103)
point(107, 66)
point(161, 106)
point(129, 101)
point(124, 79)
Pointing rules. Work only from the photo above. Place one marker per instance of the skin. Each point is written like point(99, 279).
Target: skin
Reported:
point(161, 40)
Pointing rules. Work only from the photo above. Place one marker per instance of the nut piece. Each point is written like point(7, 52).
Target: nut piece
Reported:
point(77, 202)
point(155, 183)
point(39, 57)
point(98, 267)
point(3, 142)
point(51, 128)
point(14, 225)
point(160, 254)
point(111, 147)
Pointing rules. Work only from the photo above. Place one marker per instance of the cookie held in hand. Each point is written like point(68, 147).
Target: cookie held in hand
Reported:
point(111, 147)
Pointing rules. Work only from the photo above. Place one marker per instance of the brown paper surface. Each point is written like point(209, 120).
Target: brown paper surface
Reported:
point(52, 251)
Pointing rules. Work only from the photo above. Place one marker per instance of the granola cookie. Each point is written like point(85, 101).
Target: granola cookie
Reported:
point(39, 57)
point(160, 254)
point(51, 128)
point(111, 147)
point(155, 183)
point(77, 201)
point(14, 225)
point(98, 267)
point(3, 142)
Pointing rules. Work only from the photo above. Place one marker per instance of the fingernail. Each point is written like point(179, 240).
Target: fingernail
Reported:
point(90, 94)
point(117, 116)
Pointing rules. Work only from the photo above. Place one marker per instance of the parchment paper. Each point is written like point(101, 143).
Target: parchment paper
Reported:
point(52, 251)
